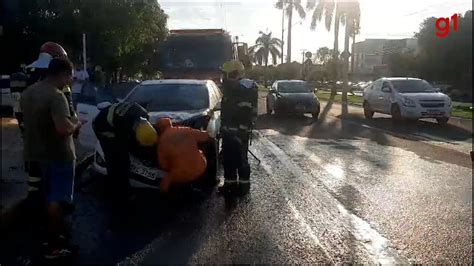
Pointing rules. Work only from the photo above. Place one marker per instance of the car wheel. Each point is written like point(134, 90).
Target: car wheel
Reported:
point(442, 121)
point(396, 113)
point(211, 153)
point(368, 113)
point(315, 114)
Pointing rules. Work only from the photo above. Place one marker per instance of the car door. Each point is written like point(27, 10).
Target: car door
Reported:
point(385, 98)
point(271, 96)
point(374, 96)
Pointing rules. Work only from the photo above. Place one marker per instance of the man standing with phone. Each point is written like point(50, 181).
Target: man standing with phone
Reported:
point(49, 126)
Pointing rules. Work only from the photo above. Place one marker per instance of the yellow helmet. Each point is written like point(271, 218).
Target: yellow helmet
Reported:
point(231, 66)
point(145, 133)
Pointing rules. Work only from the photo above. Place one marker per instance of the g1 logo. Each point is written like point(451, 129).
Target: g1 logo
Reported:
point(442, 25)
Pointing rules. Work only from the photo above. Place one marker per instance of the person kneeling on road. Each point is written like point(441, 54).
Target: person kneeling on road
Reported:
point(179, 154)
point(119, 127)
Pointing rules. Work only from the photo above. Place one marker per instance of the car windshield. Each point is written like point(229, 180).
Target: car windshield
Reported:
point(412, 86)
point(293, 87)
point(171, 97)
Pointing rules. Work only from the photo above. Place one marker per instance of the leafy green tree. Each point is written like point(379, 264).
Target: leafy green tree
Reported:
point(122, 35)
point(290, 6)
point(447, 59)
point(266, 46)
point(323, 55)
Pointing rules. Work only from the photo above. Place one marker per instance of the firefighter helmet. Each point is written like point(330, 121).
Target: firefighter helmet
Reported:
point(53, 49)
point(145, 133)
point(48, 51)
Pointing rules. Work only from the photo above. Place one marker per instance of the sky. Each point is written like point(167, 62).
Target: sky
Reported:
point(390, 19)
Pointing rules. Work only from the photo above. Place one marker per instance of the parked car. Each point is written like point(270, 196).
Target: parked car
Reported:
point(292, 96)
point(410, 98)
point(193, 103)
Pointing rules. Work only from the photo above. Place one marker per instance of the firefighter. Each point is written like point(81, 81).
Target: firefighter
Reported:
point(238, 114)
point(179, 154)
point(119, 127)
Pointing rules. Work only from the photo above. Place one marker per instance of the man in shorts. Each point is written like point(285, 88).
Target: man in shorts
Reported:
point(49, 127)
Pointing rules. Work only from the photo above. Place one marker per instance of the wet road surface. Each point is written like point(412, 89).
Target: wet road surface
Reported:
point(342, 189)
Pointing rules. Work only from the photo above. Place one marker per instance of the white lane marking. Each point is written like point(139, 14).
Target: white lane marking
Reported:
point(374, 243)
point(297, 215)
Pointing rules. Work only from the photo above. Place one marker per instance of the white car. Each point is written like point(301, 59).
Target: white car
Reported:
point(409, 98)
point(193, 103)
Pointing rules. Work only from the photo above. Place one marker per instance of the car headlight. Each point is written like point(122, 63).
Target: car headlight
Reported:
point(408, 102)
point(199, 122)
point(450, 103)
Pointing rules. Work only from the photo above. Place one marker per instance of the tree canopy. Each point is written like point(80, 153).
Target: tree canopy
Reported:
point(121, 34)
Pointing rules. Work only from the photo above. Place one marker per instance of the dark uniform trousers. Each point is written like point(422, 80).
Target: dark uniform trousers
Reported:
point(235, 151)
point(117, 162)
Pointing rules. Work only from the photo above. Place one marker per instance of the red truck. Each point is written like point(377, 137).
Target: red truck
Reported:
point(199, 54)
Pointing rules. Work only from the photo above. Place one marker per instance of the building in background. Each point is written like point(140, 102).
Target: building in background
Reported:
point(371, 56)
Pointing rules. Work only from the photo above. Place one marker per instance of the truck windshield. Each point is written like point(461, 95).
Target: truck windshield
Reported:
point(208, 52)
point(171, 97)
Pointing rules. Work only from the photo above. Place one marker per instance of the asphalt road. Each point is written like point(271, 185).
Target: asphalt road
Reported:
point(342, 189)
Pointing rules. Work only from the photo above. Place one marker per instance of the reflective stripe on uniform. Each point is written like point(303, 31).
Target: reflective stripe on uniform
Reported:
point(122, 109)
point(230, 128)
point(34, 179)
point(244, 127)
point(245, 104)
point(110, 115)
point(107, 134)
point(17, 84)
point(244, 181)
point(32, 189)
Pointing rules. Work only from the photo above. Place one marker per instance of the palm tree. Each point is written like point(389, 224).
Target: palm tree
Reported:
point(350, 11)
point(266, 46)
point(323, 55)
point(289, 6)
point(326, 9)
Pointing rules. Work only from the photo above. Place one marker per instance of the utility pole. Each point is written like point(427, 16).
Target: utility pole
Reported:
point(282, 33)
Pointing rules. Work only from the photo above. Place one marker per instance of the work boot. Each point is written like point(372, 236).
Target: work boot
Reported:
point(229, 186)
point(244, 187)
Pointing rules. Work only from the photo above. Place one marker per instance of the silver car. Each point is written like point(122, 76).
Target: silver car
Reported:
point(292, 96)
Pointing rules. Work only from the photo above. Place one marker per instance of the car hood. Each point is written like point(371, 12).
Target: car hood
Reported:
point(298, 96)
point(425, 96)
point(176, 116)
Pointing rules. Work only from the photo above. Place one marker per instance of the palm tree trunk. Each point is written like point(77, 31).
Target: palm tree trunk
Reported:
point(336, 51)
point(352, 54)
point(288, 45)
point(266, 70)
point(345, 68)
